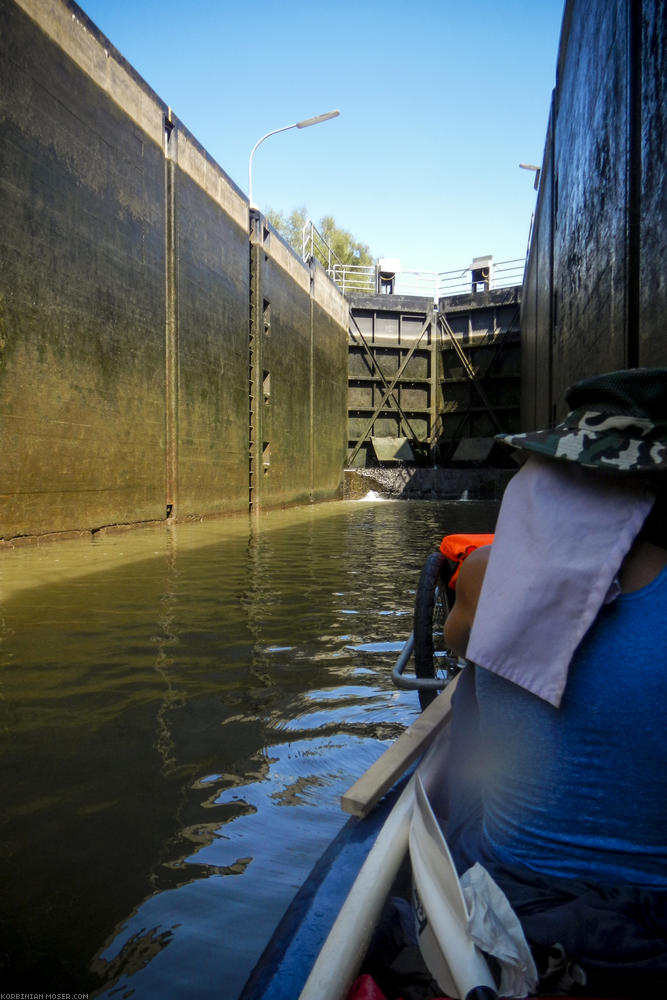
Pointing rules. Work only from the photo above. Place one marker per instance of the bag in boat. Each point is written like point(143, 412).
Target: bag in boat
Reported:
point(457, 921)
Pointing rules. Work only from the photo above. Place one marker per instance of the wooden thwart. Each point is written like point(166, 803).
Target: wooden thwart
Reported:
point(387, 769)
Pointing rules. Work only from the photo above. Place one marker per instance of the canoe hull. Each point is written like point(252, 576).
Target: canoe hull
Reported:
point(285, 964)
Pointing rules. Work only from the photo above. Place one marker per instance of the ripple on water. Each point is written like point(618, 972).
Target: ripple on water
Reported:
point(181, 710)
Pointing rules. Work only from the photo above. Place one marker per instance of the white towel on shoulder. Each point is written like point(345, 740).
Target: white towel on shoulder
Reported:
point(562, 534)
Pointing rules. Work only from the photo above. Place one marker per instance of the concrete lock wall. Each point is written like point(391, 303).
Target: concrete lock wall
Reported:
point(209, 472)
point(299, 360)
point(596, 290)
point(328, 440)
point(125, 304)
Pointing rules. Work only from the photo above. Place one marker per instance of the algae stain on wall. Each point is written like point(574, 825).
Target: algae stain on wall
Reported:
point(124, 295)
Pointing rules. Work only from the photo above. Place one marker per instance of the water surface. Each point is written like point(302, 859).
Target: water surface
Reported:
point(180, 709)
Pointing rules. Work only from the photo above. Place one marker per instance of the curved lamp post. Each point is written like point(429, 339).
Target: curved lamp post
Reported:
point(306, 123)
point(531, 166)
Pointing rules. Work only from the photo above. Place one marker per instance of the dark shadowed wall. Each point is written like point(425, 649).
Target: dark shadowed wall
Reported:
point(595, 293)
point(126, 384)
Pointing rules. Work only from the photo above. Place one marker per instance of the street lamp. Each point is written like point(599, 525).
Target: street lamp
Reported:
point(304, 124)
point(531, 166)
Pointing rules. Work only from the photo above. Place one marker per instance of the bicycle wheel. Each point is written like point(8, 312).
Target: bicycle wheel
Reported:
point(432, 657)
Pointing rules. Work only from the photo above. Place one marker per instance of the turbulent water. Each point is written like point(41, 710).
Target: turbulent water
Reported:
point(180, 709)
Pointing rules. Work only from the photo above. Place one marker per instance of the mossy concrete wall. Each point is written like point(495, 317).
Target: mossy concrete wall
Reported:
point(328, 385)
point(210, 349)
point(299, 417)
point(125, 385)
point(596, 289)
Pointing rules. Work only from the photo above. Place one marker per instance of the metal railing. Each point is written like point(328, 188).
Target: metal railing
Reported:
point(367, 279)
point(423, 283)
point(354, 277)
point(504, 274)
point(314, 246)
point(362, 278)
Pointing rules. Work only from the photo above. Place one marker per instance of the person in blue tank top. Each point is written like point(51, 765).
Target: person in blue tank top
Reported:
point(558, 781)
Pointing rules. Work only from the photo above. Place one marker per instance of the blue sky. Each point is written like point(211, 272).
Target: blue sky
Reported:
point(440, 101)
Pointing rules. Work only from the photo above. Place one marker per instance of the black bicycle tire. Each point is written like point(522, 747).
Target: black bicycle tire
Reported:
point(430, 589)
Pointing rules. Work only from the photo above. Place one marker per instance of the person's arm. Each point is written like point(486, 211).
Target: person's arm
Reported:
point(468, 587)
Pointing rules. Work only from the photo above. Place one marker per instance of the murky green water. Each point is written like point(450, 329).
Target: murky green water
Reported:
point(180, 709)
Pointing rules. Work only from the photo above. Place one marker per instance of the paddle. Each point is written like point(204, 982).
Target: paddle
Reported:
point(360, 798)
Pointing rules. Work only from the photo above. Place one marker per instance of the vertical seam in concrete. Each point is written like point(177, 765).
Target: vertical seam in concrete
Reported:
point(634, 168)
point(311, 400)
point(434, 388)
point(255, 334)
point(552, 249)
point(171, 324)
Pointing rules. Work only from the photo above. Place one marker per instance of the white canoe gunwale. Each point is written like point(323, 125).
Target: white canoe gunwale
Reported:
point(317, 948)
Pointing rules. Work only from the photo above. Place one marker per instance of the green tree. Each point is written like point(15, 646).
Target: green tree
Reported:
point(346, 248)
point(290, 227)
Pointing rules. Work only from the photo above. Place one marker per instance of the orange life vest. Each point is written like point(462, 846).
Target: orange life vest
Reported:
point(457, 547)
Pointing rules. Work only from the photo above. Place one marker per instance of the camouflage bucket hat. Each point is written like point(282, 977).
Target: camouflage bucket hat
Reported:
point(617, 422)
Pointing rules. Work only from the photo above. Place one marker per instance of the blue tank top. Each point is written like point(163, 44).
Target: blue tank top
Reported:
point(581, 791)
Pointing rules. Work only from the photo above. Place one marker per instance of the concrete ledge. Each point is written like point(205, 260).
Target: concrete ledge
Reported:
point(329, 297)
point(210, 177)
point(276, 248)
point(70, 28)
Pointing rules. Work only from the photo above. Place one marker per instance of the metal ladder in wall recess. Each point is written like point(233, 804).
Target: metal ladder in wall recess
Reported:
point(252, 374)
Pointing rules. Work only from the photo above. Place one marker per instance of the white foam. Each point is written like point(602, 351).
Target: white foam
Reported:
point(373, 497)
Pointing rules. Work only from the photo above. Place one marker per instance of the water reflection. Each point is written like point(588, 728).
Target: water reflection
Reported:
point(180, 709)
